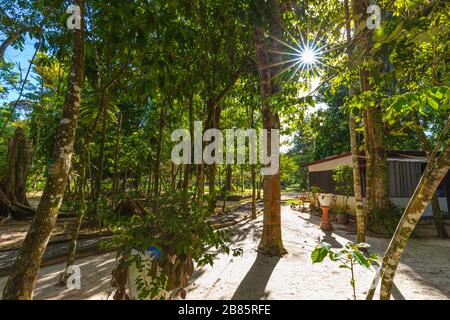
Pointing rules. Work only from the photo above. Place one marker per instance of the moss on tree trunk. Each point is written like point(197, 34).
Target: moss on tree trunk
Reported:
point(21, 281)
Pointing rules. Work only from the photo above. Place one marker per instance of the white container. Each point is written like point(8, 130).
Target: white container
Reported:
point(134, 273)
point(325, 199)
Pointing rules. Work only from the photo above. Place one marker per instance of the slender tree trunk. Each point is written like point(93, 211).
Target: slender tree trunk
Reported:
point(123, 187)
point(253, 173)
point(258, 195)
point(224, 190)
point(179, 184)
point(213, 109)
point(200, 182)
point(360, 214)
point(437, 217)
point(150, 182)
point(179, 170)
point(434, 173)
point(271, 239)
point(157, 168)
point(368, 165)
point(21, 281)
point(229, 178)
point(188, 167)
point(78, 220)
point(138, 179)
point(380, 194)
point(116, 161)
point(253, 170)
point(101, 157)
point(242, 179)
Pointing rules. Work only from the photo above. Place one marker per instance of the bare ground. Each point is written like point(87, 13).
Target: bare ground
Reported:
point(423, 274)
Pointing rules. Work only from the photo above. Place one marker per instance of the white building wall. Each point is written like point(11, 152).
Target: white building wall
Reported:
point(401, 202)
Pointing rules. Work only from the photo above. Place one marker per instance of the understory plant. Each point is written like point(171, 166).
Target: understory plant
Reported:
point(314, 200)
point(384, 222)
point(343, 180)
point(179, 230)
point(347, 257)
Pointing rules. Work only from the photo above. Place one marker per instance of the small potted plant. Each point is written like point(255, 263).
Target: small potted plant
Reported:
point(325, 199)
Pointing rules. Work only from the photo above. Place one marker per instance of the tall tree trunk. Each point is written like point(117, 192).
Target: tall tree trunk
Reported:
point(150, 182)
point(213, 109)
point(242, 179)
point(360, 216)
point(377, 196)
point(116, 161)
point(381, 201)
point(258, 194)
point(101, 157)
point(229, 178)
point(368, 165)
point(123, 187)
point(434, 173)
point(188, 167)
point(201, 182)
point(181, 178)
point(21, 281)
point(253, 170)
point(157, 167)
point(271, 239)
point(253, 173)
point(441, 232)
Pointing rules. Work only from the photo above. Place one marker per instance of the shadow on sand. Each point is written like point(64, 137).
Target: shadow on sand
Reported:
point(254, 284)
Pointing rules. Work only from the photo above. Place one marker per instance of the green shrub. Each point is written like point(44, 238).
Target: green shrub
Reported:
point(180, 230)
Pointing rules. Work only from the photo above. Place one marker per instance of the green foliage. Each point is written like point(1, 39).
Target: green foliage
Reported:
point(325, 131)
point(343, 179)
point(347, 257)
point(289, 169)
point(315, 190)
point(384, 222)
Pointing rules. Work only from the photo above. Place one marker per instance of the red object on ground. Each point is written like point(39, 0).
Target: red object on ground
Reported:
point(325, 222)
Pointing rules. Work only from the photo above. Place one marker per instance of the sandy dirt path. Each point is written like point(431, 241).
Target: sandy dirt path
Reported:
point(423, 274)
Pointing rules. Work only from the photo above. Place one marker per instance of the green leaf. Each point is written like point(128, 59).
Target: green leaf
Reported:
point(423, 37)
point(360, 259)
point(433, 103)
point(318, 254)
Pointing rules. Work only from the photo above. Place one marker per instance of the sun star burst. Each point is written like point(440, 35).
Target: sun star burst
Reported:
point(306, 58)
point(309, 56)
